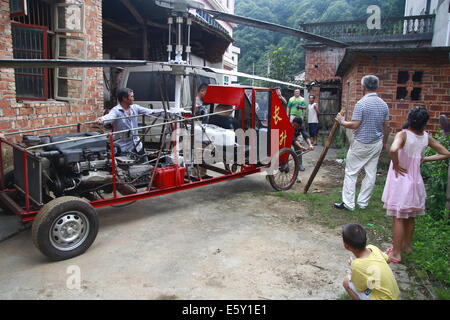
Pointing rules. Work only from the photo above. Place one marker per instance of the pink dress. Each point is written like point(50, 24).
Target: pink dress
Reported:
point(404, 196)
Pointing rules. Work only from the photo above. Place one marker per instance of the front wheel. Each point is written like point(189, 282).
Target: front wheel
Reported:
point(285, 174)
point(65, 228)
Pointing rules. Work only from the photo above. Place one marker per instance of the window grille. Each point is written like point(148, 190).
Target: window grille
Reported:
point(33, 31)
point(30, 42)
point(409, 85)
point(69, 82)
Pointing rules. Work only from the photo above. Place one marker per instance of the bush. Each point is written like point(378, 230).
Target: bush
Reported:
point(435, 175)
point(432, 247)
point(432, 234)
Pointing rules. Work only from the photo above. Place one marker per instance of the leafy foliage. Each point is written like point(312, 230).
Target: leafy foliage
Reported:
point(432, 234)
point(435, 175)
point(431, 248)
point(285, 53)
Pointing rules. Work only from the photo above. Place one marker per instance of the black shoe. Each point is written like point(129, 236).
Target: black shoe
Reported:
point(341, 206)
point(301, 168)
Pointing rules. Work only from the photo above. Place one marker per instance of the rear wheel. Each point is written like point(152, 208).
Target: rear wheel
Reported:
point(65, 228)
point(286, 172)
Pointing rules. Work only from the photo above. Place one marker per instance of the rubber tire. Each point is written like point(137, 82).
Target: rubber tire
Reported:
point(296, 170)
point(9, 183)
point(51, 211)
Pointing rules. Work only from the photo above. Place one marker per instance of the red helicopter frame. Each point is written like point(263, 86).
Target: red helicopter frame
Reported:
point(65, 222)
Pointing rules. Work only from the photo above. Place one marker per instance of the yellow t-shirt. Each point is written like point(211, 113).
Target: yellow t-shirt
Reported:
point(374, 273)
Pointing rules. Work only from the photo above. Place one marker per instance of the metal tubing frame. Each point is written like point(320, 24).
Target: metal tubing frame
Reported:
point(186, 186)
point(3, 193)
point(115, 132)
point(28, 215)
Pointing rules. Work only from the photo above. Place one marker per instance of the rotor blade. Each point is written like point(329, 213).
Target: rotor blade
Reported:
point(274, 27)
point(179, 4)
point(249, 76)
point(57, 63)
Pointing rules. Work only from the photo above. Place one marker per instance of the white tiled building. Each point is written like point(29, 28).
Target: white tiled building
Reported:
point(231, 56)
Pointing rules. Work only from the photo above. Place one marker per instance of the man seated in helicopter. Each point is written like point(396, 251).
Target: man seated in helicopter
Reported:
point(224, 119)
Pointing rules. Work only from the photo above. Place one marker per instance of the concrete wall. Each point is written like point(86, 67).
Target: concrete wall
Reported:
point(441, 36)
point(418, 7)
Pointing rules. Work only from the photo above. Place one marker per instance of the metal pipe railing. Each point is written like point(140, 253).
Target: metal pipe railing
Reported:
point(124, 131)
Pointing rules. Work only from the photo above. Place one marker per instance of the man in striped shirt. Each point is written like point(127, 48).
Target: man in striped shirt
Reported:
point(370, 125)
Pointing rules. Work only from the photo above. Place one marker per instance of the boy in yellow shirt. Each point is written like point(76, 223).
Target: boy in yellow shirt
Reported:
point(372, 278)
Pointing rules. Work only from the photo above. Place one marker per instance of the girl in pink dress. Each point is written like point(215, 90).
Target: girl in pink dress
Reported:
point(404, 193)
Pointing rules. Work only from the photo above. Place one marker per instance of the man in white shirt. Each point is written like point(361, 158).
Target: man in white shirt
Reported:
point(126, 108)
point(313, 119)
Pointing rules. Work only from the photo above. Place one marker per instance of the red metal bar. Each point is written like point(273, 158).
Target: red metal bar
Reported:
point(186, 186)
point(2, 173)
point(25, 172)
point(113, 159)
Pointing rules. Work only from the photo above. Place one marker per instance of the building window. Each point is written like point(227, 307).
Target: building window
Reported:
point(30, 42)
point(409, 85)
point(35, 28)
point(69, 82)
point(18, 7)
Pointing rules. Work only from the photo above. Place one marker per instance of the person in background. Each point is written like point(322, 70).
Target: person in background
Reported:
point(404, 192)
point(297, 106)
point(370, 124)
point(200, 108)
point(280, 96)
point(299, 129)
point(371, 277)
point(313, 119)
point(224, 119)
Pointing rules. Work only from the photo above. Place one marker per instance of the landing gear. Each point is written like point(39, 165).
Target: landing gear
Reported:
point(286, 172)
point(65, 228)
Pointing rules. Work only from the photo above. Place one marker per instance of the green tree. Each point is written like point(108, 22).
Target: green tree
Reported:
point(258, 45)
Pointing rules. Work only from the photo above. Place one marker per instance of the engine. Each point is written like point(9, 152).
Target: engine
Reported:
point(84, 167)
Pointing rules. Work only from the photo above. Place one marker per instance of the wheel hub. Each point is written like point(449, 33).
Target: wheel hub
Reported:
point(69, 230)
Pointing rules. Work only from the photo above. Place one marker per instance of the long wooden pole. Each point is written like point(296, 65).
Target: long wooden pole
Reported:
point(327, 145)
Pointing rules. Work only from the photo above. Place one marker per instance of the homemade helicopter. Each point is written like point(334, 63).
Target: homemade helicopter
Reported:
point(59, 179)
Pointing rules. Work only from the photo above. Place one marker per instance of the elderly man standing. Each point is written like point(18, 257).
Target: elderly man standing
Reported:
point(370, 125)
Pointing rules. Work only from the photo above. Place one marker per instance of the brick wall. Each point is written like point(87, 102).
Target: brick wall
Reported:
point(7, 85)
point(16, 116)
point(321, 63)
point(435, 85)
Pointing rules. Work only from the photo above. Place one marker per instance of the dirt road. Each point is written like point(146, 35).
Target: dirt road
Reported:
point(233, 240)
